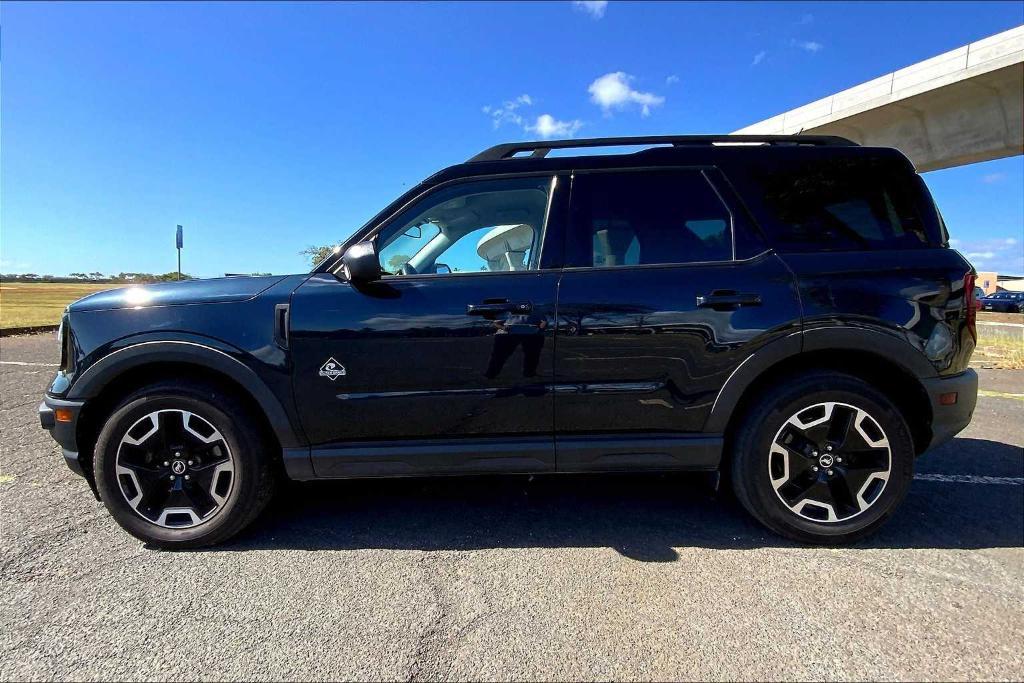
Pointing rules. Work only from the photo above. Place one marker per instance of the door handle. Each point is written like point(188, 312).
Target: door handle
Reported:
point(281, 313)
point(499, 307)
point(727, 300)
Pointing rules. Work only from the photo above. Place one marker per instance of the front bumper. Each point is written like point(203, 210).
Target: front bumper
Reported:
point(63, 432)
point(950, 420)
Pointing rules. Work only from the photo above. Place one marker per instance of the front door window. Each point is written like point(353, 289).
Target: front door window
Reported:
point(490, 226)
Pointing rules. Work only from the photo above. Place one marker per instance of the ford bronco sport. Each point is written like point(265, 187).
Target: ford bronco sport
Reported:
point(783, 310)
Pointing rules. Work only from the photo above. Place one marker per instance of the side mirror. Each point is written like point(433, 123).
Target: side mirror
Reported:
point(442, 269)
point(360, 263)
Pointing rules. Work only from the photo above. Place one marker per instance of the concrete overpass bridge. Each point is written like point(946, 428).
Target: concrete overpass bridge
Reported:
point(960, 107)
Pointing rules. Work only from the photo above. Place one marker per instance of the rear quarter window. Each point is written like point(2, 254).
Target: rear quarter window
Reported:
point(842, 204)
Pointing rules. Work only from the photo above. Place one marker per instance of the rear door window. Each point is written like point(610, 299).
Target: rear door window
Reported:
point(637, 218)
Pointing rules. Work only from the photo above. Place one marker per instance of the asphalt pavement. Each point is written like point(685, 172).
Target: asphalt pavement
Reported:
point(559, 577)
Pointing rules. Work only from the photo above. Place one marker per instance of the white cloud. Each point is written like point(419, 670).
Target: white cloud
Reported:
point(595, 8)
point(508, 112)
point(1001, 254)
point(758, 58)
point(613, 91)
point(672, 80)
point(990, 178)
point(811, 46)
point(547, 126)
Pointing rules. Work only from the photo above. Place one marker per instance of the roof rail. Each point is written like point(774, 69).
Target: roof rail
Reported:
point(540, 149)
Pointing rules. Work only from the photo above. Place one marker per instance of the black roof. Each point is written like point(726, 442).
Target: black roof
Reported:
point(541, 148)
point(660, 150)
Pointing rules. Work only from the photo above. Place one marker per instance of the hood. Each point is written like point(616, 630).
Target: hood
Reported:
point(217, 290)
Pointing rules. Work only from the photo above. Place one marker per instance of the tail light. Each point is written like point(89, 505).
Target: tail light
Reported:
point(971, 304)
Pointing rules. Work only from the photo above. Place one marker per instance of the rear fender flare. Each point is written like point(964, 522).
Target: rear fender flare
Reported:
point(890, 346)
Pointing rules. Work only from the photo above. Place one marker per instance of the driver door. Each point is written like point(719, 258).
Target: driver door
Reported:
point(442, 365)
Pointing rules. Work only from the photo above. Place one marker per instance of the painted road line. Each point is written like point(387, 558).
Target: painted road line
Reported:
point(1000, 394)
point(35, 365)
point(971, 479)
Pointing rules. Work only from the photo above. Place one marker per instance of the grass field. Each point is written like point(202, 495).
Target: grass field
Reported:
point(24, 304)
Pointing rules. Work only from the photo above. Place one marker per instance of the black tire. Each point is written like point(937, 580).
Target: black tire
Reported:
point(754, 470)
point(250, 485)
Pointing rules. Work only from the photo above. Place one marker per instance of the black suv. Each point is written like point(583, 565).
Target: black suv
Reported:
point(783, 310)
point(1004, 302)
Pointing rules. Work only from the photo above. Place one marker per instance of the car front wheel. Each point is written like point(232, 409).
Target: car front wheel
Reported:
point(825, 458)
point(181, 465)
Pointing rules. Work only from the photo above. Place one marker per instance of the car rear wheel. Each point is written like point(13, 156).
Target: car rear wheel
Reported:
point(825, 458)
point(181, 465)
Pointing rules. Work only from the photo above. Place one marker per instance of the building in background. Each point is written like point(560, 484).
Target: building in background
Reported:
point(1010, 283)
point(993, 282)
point(987, 280)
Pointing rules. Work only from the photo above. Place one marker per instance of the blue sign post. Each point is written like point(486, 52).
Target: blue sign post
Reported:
point(178, 241)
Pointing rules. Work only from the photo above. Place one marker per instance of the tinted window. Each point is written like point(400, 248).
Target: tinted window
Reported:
point(647, 217)
point(481, 226)
point(843, 204)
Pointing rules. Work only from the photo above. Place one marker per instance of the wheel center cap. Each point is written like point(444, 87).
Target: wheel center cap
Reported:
point(178, 467)
point(826, 460)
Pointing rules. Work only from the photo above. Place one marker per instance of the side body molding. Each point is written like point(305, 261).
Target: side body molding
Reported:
point(92, 381)
point(887, 344)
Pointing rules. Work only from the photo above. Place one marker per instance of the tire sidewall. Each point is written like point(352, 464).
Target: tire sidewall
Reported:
point(754, 460)
point(244, 480)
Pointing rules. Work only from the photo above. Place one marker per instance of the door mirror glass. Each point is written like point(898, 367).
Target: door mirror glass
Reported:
point(360, 264)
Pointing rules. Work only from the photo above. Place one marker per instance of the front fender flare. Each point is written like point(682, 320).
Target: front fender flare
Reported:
point(98, 375)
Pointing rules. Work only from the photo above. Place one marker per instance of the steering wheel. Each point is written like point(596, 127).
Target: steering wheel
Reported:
point(406, 269)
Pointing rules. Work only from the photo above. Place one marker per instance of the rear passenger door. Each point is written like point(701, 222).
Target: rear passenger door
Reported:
point(666, 290)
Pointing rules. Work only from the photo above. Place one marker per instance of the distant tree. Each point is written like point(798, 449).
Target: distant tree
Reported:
point(317, 254)
point(30, 276)
point(78, 276)
point(171, 276)
point(260, 274)
point(96, 275)
point(397, 261)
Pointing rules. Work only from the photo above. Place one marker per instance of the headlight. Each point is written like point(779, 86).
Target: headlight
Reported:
point(63, 339)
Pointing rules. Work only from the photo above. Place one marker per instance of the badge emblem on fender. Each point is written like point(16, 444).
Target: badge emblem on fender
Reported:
point(332, 369)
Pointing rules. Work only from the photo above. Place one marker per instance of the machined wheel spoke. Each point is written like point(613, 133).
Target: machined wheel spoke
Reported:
point(843, 497)
point(797, 443)
point(195, 496)
point(839, 425)
point(172, 432)
point(870, 459)
point(801, 488)
point(145, 475)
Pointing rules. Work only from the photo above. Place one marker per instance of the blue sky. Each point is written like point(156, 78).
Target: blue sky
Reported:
point(264, 128)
